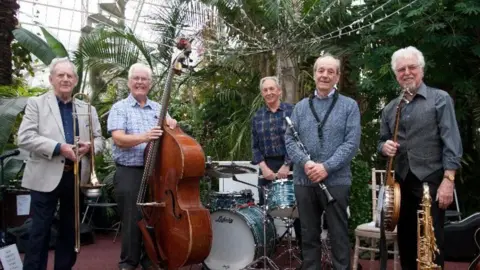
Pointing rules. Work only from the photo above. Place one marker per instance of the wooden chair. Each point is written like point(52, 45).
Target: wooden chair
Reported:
point(368, 231)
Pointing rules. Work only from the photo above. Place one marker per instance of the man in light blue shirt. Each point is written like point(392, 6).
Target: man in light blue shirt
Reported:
point(133, 122)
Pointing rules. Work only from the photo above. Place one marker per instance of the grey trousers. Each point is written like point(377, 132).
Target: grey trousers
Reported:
point(311, 203)
point(127, 185)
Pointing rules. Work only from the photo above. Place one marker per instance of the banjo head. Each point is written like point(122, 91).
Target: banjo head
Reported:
point(389, 198)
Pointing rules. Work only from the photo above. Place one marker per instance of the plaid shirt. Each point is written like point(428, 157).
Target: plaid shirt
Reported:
point(268, 130)
point(127, 115)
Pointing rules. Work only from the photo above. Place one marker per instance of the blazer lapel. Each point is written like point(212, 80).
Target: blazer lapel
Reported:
point(53, 103)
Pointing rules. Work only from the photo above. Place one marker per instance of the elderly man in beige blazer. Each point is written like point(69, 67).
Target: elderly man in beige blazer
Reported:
point(46, 132)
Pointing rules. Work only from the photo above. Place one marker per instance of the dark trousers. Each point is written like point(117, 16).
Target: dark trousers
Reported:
point(411, 193)
point(43, 206)
point(127, 182)
point(311, 203)
point(275, 164)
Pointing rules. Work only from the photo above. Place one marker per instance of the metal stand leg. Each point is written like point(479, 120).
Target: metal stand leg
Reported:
point(264, 258)
point(291, 251)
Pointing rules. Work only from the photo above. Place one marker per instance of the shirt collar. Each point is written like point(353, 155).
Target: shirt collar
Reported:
point(328, 96)
point(133, 102)
point(60, 102)
point(282, 107)
point(422, 90)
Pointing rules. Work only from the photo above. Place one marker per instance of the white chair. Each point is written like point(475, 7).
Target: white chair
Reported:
point(369, 232)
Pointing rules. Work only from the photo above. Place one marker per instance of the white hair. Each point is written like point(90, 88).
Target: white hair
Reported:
point(326, 55)
point(139, 66)
point(273, 78)
point(406, 53)
point(59, 60)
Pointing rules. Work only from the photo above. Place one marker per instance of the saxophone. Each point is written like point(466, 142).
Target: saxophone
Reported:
point(426, 242)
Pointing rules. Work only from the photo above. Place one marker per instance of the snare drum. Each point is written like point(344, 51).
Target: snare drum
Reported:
point(229, 200)
point(281, 199)
point(238, 237)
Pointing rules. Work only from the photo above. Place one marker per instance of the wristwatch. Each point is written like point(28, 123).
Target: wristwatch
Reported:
point(450, 177)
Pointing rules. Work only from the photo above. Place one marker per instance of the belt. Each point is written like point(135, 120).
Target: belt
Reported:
point(127, 166)
point(67, 168)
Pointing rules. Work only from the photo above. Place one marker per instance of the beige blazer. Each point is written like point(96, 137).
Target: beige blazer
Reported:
point(40, 131)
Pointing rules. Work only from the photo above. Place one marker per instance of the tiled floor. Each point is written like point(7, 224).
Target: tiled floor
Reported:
point(104, 254)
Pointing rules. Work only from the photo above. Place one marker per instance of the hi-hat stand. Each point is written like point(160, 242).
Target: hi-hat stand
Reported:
point(263, 258)
point(288, 233)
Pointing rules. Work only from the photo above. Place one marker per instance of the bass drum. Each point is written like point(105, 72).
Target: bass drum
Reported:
point(238, 237)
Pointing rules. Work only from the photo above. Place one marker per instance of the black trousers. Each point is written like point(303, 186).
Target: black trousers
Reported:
point(311, 203)
point(43, 206)
point(275, 163)
point(127, 182)
point(411, 193)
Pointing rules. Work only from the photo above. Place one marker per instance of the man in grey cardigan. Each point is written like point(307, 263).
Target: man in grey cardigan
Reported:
point(428, 149)
point(328, 125)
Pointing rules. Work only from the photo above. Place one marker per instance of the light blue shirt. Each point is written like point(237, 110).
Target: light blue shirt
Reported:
point(127, 115)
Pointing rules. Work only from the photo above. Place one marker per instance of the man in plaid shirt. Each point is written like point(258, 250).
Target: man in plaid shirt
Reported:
point(268, 142)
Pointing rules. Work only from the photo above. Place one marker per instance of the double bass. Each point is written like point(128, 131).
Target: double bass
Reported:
point(175, 226)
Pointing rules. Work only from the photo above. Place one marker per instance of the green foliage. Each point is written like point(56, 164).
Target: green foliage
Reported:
point(35, 45)
point(9, 111)
point(22, 60)
point(360, 195)
point(56, 46)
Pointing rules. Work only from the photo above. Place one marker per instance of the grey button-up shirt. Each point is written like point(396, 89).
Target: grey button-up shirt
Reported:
point(428, 133)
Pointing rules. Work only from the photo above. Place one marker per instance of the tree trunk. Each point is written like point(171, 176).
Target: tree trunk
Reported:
point(287, 72)
point(8, 22)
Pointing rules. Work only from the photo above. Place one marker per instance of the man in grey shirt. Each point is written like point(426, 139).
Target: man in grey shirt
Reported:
point(328, 125)
point(428, 149)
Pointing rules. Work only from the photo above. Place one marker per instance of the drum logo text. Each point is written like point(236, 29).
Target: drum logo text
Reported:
point(223, 219)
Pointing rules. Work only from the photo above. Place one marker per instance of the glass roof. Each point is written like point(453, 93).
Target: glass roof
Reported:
point(65, 18)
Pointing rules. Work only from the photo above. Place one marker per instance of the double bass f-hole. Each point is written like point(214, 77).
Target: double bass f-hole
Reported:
point(170, 192)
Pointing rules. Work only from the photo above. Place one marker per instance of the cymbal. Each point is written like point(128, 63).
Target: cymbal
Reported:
point(226, 171)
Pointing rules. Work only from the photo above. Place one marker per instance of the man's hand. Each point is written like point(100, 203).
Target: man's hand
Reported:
point(171, 123)
point(153, 134)
point(84, 148)
point(283, 172)
point(268, 174)
point(316, 172)
point(445, 193)
point(390, 148)
point(66, 150)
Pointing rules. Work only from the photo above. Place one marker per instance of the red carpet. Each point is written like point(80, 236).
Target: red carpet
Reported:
point(104, 254)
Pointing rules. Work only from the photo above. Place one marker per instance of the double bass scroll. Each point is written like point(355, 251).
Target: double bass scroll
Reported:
point(175, 226)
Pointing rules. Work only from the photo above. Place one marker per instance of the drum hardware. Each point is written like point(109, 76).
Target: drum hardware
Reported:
point(264, 207)
point(282, 201)
point(290, 250)
point(213, 169)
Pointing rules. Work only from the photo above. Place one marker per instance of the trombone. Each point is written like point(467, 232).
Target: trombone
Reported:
point(91, 189)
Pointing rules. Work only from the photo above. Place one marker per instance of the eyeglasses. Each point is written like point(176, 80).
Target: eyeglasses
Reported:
point(140, 79)
point(409, 67)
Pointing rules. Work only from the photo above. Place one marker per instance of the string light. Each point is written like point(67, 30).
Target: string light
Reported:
point(357, 30)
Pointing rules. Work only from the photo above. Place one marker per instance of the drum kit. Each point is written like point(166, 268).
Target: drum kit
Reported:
point(244, 234)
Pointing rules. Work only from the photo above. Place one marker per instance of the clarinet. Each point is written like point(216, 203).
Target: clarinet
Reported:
point(329, 196)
